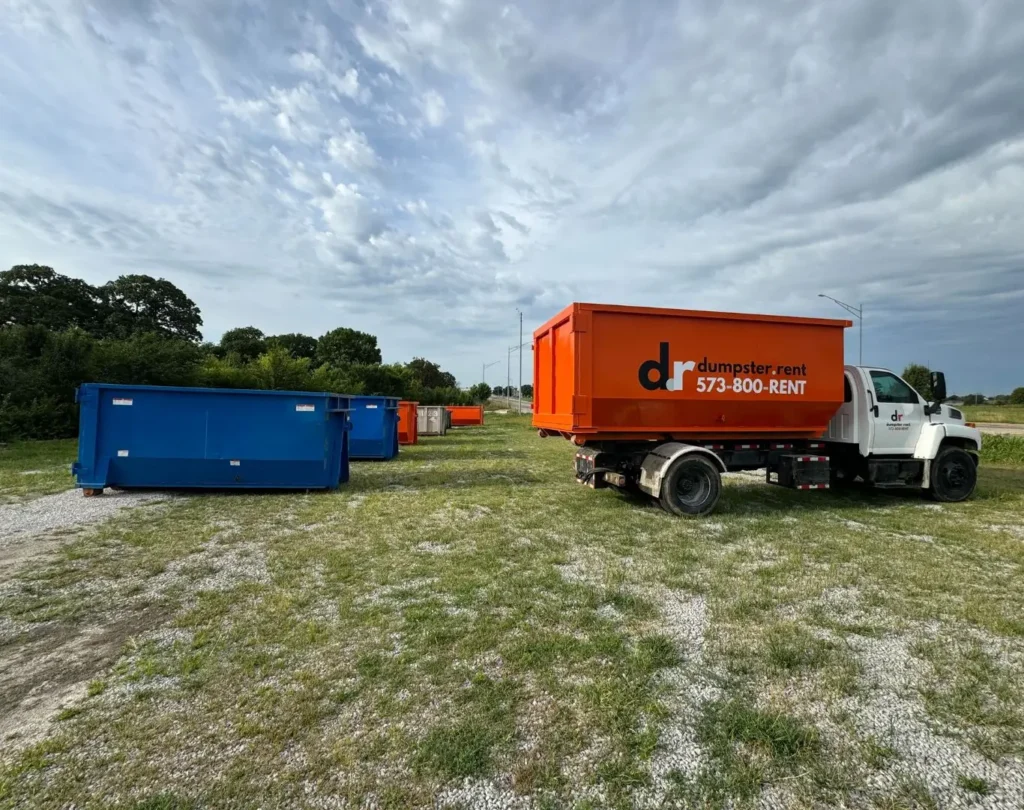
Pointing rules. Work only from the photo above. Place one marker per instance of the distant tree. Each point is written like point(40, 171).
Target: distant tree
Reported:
point(36, 295)
point(145, 304)
point(528, 392)
point(481, 392)
point(277, 370)
point(920, 379)
point(297, 345)
point(247, 342)
point(1017, 396)
point(146, 358)
point(378, 380)
point(974, 399)
point(430, 375)
point(346, 347)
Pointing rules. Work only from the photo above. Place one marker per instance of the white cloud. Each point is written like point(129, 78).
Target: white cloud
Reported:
point(350, 149)
point(435, 111)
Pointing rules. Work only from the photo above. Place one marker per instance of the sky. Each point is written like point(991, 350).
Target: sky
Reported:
point(421, 169)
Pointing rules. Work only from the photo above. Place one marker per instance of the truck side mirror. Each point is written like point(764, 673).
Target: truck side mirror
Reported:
point(938, 386)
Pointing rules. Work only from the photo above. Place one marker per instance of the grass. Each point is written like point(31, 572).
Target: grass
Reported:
point(1002, 450)
point(1009, 414)
point(31, 469)
point(468, 618)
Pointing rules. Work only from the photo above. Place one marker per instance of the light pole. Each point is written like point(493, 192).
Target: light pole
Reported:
point(520, 411)
point(483, 376)
point(859, 312)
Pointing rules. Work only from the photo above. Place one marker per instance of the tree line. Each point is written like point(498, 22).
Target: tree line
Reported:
point(920, 379)
point(57, 332)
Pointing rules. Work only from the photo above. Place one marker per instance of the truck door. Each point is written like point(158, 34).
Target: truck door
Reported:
point(897, 416)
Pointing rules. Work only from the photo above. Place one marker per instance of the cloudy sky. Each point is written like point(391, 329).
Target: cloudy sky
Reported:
point(421, 168)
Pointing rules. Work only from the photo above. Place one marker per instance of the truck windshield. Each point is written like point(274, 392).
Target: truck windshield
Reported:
point(890, 388)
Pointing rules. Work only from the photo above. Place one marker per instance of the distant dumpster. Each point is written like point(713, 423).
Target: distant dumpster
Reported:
point(466, 415)
point(407, 418)
point(169, 437)
point(374, 428)
point(432, 420)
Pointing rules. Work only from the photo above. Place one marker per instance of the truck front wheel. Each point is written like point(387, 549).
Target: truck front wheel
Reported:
point(954, 475)
point(691, 487)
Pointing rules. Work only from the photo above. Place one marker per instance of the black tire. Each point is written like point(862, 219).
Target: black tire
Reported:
point(954, 475)
point(692, 487)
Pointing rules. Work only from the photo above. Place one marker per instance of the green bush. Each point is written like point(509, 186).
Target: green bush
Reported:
point(1002, 449)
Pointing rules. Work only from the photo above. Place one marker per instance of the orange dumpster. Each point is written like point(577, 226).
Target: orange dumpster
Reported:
point(407, 412)
point(466, 415)
point(607, 373)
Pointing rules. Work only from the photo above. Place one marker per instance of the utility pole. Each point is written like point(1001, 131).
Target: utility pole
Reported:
point(520, 360)
point(483, 374)
point(859, 312)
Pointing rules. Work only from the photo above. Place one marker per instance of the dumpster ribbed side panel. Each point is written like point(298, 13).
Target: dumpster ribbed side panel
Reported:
point(174, 437)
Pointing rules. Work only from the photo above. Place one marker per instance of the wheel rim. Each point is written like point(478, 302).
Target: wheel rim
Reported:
point(693, 487)
point(956, 478)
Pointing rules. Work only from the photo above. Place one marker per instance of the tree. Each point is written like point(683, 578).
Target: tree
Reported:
point(527, 391)
point(481, 392)
point(377, 380)
point(277, 370)
point(430, 375)
point(974, 399)
point(247, 342)
point(1017, 396)
point(348, 347)
point(919, 377)
point(33, 294)
point(146, 304)
point(297, 345)
point(146, 358)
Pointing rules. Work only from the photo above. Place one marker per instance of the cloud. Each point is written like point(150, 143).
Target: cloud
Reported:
point(434, 108)
point(420, 169)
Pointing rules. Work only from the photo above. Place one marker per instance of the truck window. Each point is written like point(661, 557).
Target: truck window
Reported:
point(847, 390)
point(890, 388)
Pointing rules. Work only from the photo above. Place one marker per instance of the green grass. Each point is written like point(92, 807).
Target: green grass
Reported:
point(1010, 414)
point(1002, 450)
point(31, 469)
point(468, 612)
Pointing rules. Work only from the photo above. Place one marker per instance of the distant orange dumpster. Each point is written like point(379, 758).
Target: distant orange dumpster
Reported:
point(407, 412)
point(466, 415)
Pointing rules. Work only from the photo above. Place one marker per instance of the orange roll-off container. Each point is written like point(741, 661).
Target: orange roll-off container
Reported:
point(604, 372)
point(407, 413)
point(466, 415)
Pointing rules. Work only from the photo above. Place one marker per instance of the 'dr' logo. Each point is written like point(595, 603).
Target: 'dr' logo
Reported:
point(896, 417)
point(660, 367)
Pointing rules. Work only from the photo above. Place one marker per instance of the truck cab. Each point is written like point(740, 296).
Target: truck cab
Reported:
point(889, 435)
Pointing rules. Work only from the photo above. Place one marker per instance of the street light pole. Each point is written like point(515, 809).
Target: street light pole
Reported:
point(859, 312)
point(483, 376)
point(520, 360)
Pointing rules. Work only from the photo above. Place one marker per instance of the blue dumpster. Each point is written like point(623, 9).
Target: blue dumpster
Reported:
point(374, 428)
point(167, 437)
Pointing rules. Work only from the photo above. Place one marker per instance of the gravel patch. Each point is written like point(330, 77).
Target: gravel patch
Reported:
point(65, 510)
point(688, 688)
point(894, 713)
point(483, 794)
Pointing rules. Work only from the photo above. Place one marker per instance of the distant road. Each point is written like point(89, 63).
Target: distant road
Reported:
point(1002, 428)
point(505, 402)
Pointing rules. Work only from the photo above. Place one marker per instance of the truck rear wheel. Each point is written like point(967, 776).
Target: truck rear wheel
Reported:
point(691, 487)
point(954, 475)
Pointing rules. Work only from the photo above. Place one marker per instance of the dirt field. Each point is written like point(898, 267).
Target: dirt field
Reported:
point(467, 627)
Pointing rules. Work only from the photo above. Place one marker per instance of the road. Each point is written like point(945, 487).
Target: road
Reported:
point(1001, 428)
point(505, 402)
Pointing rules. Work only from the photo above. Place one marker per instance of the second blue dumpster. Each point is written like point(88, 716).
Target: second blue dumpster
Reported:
point(169, 437)
point(374, 428)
